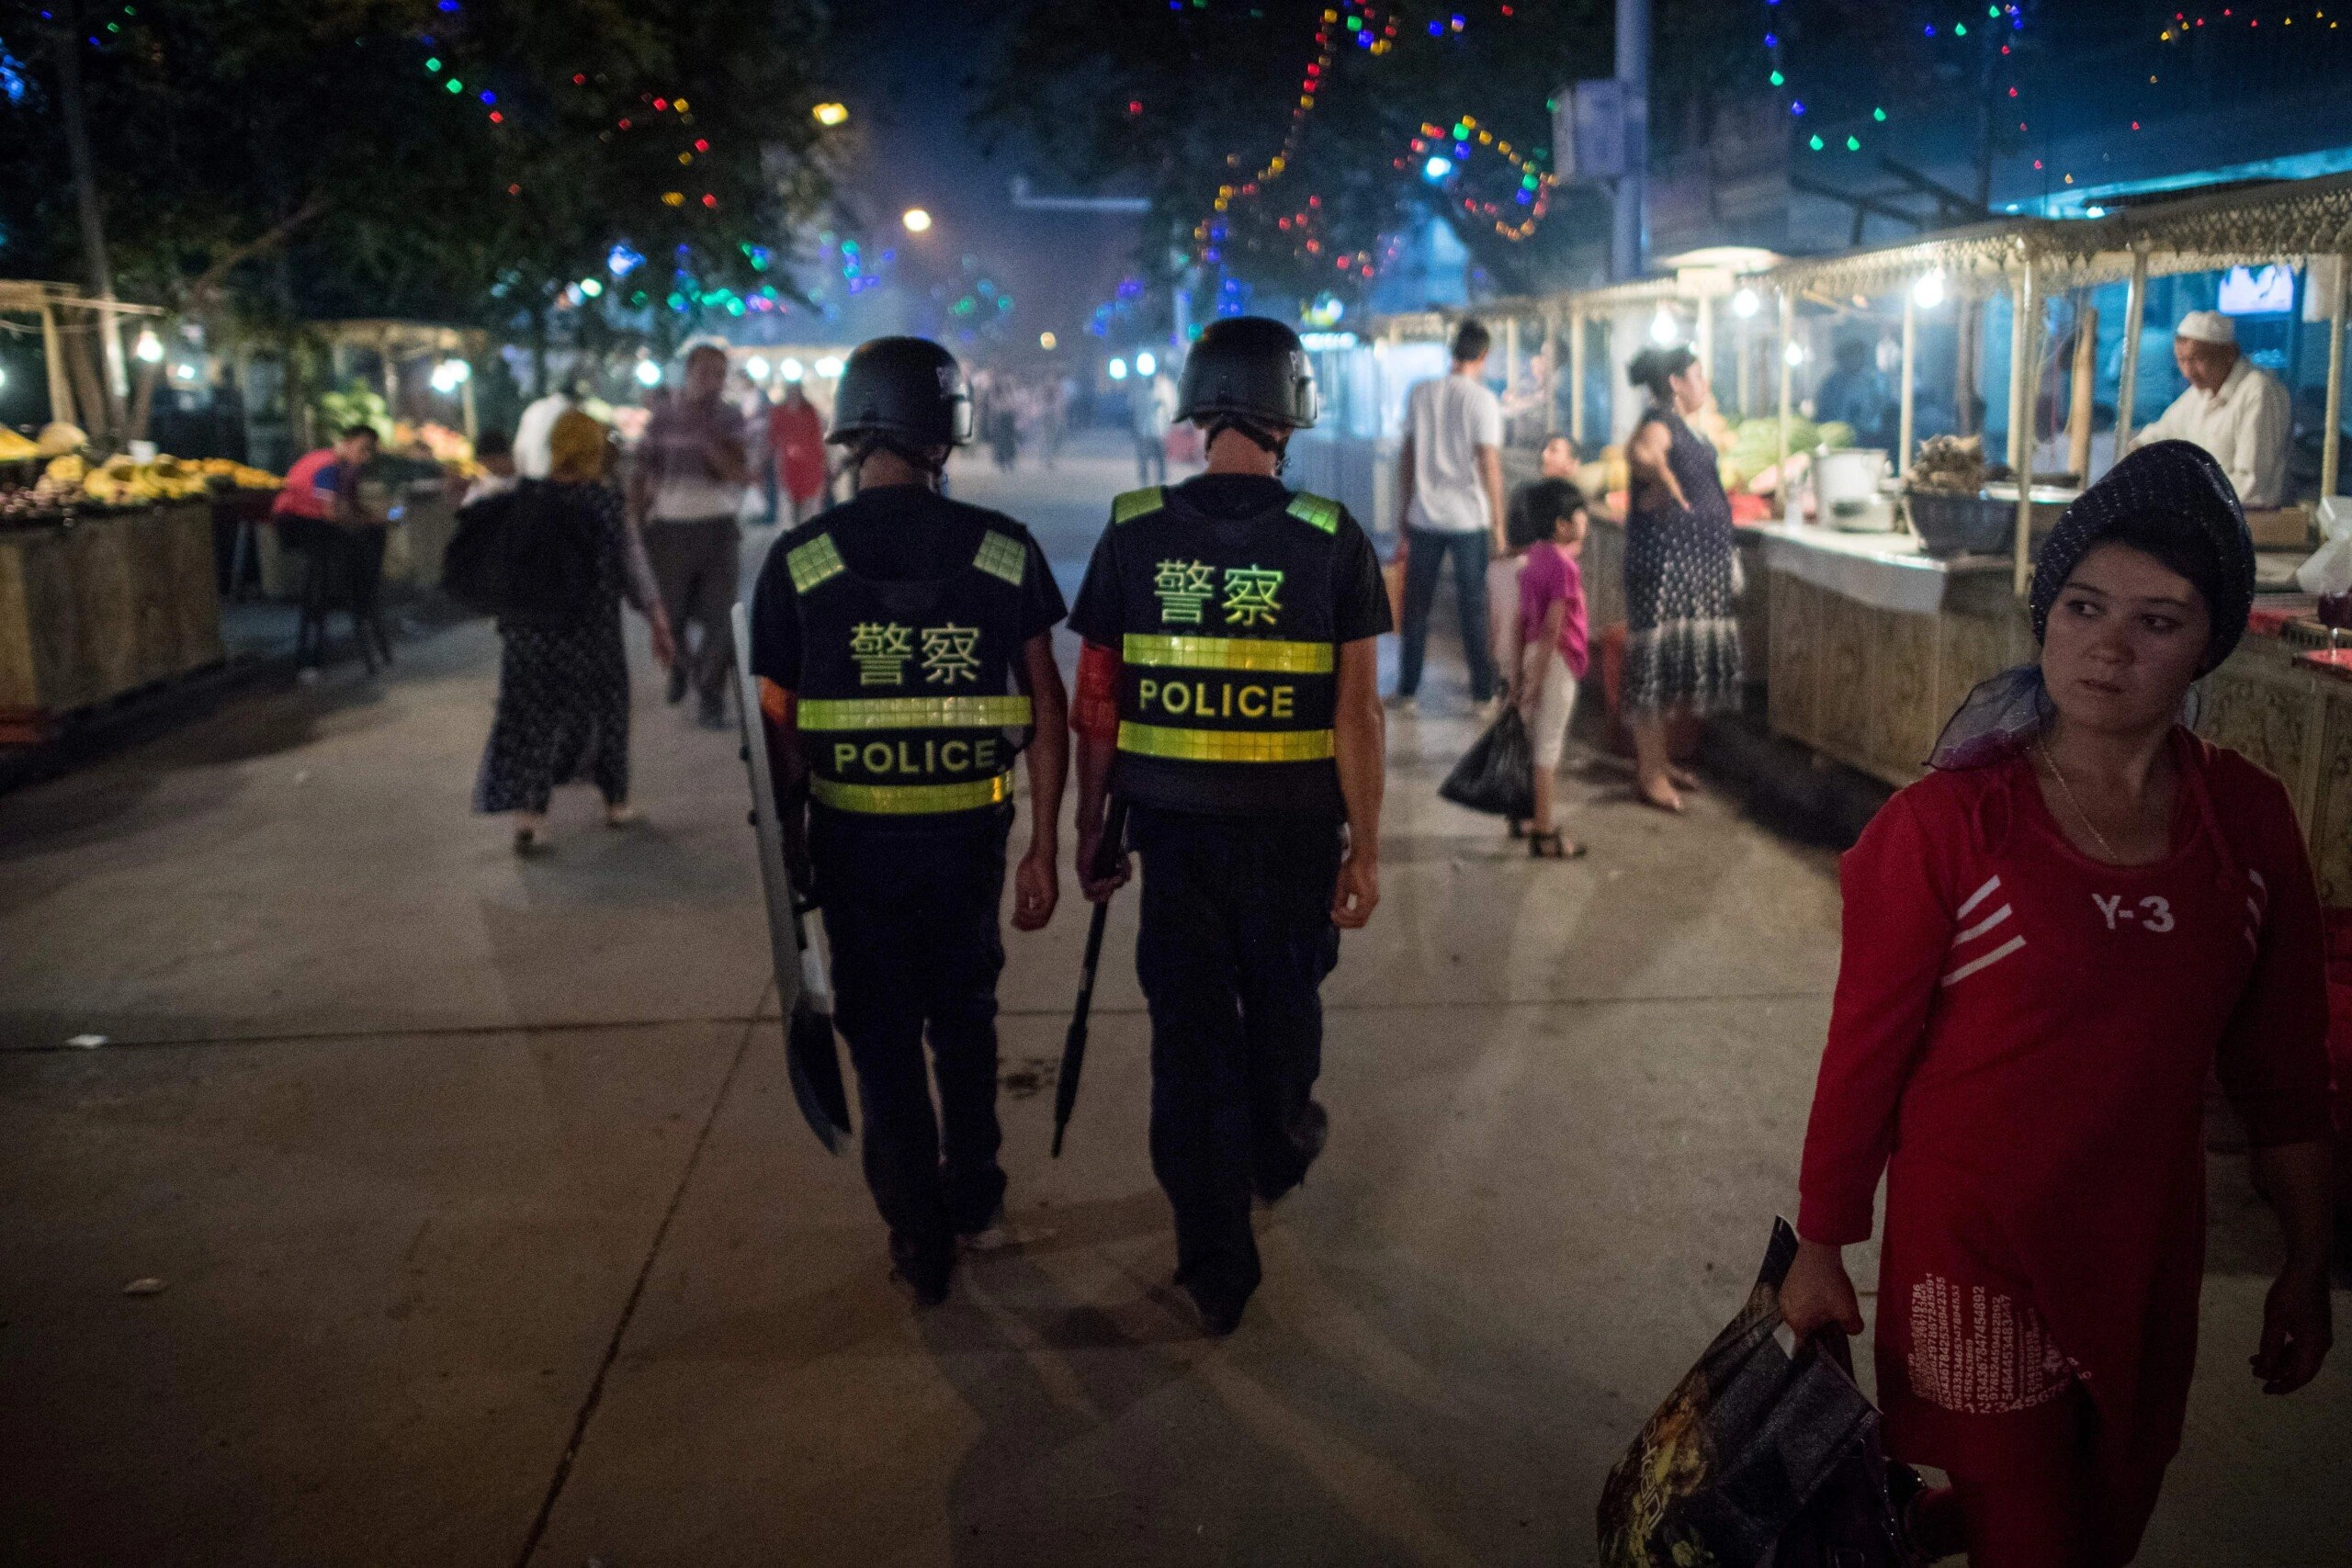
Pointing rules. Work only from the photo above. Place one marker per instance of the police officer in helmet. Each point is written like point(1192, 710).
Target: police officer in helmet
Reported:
point(902, 642)
point(1228, 695)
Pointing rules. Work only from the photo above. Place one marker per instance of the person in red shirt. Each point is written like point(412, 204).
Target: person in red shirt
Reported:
point(796, 439)
point(2050, 943)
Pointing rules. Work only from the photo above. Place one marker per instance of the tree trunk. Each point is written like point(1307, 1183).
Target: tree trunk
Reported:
point(67, 42)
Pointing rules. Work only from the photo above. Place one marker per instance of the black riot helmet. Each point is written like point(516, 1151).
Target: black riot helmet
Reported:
point(905, 393)
point(1249, 372)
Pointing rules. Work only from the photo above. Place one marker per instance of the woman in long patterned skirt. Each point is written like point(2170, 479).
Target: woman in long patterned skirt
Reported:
point(1682, 639)
point(563, 686)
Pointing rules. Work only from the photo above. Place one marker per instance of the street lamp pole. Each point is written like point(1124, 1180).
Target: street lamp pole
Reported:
point(1626, 237)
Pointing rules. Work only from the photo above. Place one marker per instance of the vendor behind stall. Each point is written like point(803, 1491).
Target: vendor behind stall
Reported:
point(2238, 413)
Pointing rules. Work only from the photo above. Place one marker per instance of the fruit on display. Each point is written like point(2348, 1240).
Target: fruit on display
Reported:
point(14, 448)
point(57, 437)
point(241, 476)
point(70, 481)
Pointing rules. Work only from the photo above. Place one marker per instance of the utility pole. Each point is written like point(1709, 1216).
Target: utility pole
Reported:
point(1628, 240)
point(66, 40)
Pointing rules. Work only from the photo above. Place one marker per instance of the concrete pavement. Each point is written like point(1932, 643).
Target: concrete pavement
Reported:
point(488, 1235)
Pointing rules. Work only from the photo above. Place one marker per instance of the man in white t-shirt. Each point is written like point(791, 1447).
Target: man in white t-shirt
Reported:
point(1450, 486)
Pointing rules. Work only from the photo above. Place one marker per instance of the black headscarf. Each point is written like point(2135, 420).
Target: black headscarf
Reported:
point(2169, 499)
point(2172, 500)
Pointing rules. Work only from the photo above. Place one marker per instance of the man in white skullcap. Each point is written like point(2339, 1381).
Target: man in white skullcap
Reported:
point(2231, 408)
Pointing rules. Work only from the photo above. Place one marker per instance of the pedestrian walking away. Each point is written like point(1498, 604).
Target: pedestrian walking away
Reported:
point(1228, 694)
point(1450, 497)
point(686, 490)
point(797, 444)
point(1682, 652)
point(903, 646)
point(2052, 943)
point(562, 672)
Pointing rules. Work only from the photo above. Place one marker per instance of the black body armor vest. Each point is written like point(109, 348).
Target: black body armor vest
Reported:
point(908, 702)
point(1228, 678)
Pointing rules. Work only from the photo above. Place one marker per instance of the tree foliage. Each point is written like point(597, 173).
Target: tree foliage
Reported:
point(1178, 102)
point(448, 158)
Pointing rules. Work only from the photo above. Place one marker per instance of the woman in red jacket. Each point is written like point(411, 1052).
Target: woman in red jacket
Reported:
point(2050, 942)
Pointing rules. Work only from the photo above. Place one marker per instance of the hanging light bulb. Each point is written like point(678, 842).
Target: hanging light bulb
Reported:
point(829, 367)
point(1929, 292)
point(793, 370)
point(1146, 364)
point(150, 347)
point(1117, 369)
point(1794, 354)
point(756, 368)
point(1664, 328)
point(648, 373)
point(1745, 303)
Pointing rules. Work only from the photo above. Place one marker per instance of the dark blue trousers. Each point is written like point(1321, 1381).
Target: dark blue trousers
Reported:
point(1236, 937)
point(912, 919)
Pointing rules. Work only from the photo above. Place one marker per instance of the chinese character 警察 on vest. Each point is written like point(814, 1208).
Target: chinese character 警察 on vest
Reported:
point(909, 705)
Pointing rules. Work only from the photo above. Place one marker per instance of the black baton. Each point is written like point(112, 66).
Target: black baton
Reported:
point(1074, 1043)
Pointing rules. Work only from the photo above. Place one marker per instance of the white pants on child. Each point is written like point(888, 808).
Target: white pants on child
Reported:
point(1548, 728)
point(1502, 609)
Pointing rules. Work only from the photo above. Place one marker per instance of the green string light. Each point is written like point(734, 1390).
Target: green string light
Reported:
point(455, 85)
point(1853, 145)
point(1778, 80)
point(1816, 143)
point(433, 63)
point(1879, 115)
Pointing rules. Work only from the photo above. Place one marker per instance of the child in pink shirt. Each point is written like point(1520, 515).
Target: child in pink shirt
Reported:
point(1551, 656)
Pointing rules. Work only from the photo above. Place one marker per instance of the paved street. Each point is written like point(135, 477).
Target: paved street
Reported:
point(488, 1234)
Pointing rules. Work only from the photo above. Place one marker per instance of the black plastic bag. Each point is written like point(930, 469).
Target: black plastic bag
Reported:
point(527, 556)
point(1496, 775)
point(1767, 1454)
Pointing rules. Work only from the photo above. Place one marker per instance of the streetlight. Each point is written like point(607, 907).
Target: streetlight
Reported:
point(1049, 342)
point(831, 114)
point(648, 373)
point(829, 367)
point(1146, 364)
point(916, 219)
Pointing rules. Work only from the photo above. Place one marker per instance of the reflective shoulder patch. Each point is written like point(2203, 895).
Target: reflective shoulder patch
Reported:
point(814, 562)
point(1135, 504)
point(1002, 558)
point(1315, 510)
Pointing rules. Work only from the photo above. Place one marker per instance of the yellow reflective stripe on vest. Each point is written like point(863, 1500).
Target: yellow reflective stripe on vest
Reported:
point(1227, 653)
point(1002, 558)
point(911, 800)
point(814, 562)
point(1128, 505)
point(1316, 511)
point(913, 713)
point(1225, 745)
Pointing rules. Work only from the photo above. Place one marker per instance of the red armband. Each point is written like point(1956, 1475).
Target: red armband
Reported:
point(1094, 710)
point(777, 706)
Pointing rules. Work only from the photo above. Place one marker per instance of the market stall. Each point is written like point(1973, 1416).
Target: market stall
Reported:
point(1876, 636)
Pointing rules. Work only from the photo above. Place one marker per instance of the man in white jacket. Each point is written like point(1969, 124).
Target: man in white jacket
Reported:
point(2238, 413)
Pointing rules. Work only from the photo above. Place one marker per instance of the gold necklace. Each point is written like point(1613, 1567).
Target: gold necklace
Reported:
point(2068, 790)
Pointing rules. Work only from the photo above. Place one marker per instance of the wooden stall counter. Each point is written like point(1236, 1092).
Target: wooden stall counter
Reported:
point(1874, 644)
point(102, 605)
